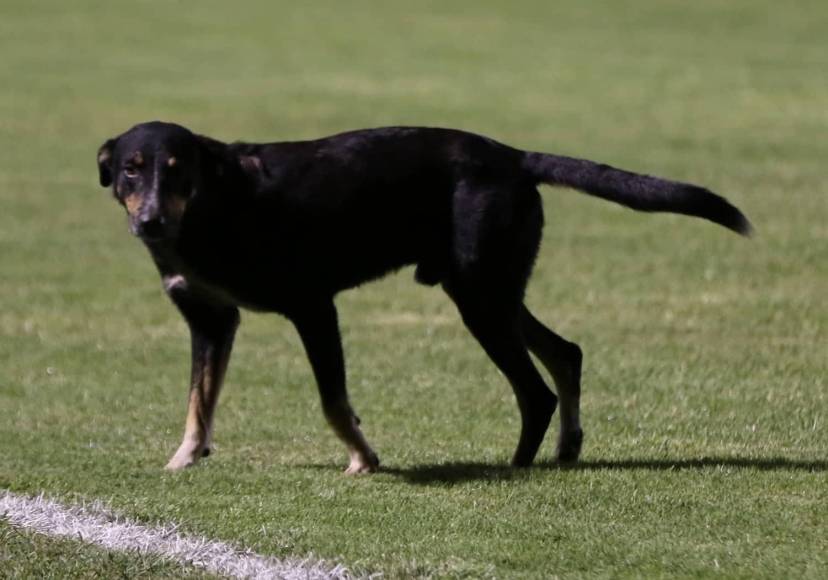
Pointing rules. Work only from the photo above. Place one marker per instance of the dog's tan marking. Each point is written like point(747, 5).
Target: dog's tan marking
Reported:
point(133, 203)
point(171, 162)
point(175, 205)
point(138, 159)
point(344, 423)
point(197, 424)
point(208, 376)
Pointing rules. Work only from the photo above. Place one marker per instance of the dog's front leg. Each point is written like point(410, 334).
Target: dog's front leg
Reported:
point(212, 328)
point(319, 331)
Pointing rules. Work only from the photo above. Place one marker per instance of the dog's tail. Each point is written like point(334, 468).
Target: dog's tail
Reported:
point(636, 191)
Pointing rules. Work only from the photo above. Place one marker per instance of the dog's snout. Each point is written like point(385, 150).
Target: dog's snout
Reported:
point(151, 227)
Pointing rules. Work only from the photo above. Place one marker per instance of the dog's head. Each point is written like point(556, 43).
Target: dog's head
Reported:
point(156, 170)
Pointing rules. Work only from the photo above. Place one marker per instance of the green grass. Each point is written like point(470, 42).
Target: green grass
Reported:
point(704, 384)
point(26, 555)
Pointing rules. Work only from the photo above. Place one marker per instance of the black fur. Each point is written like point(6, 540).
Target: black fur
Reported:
point(639, 192)
point(284, 227)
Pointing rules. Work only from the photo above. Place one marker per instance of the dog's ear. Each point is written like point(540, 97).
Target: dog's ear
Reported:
point(105, 162)
point(213, 152)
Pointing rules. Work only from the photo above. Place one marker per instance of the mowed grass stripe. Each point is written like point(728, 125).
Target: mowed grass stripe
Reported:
point(96, 525)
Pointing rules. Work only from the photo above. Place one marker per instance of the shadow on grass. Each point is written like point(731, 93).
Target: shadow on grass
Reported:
point(460, 472)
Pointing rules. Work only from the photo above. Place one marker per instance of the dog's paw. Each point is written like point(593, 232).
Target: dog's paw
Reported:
point(569, 446)
point(363, 463)
point(186, 456)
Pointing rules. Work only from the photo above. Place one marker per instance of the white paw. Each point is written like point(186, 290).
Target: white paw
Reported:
point(363, 463)
point(186, 456)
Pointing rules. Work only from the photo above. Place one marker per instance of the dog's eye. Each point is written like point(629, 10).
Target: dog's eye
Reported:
point(130, 172)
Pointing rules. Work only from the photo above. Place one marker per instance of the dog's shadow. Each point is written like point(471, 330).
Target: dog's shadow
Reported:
point(462, 472)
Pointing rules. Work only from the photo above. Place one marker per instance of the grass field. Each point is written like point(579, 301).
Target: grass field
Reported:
point(27, 555)
point(705, 403)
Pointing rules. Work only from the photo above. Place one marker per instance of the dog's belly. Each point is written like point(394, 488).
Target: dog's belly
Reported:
point(285, 279)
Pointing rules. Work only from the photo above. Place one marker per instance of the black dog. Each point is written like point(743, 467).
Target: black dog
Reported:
point(284, 227)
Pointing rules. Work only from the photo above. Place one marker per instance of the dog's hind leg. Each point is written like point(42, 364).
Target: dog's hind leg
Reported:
point(496, 234)
point(212, 329)
point(498, 332)
point(563, 361)
point(317, 326)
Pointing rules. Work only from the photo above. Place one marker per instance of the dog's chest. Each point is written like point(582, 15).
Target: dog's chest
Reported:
point(226, 279)
point(195, 285)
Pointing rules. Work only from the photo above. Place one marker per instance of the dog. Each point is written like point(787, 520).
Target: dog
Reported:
point(284, 227)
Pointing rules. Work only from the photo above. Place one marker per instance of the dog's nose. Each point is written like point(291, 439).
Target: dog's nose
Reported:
point(151, 228)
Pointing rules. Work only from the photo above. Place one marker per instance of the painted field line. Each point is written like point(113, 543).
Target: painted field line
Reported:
point(95, 524)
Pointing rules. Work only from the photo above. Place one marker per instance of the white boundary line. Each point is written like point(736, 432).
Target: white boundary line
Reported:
point(95, 524)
